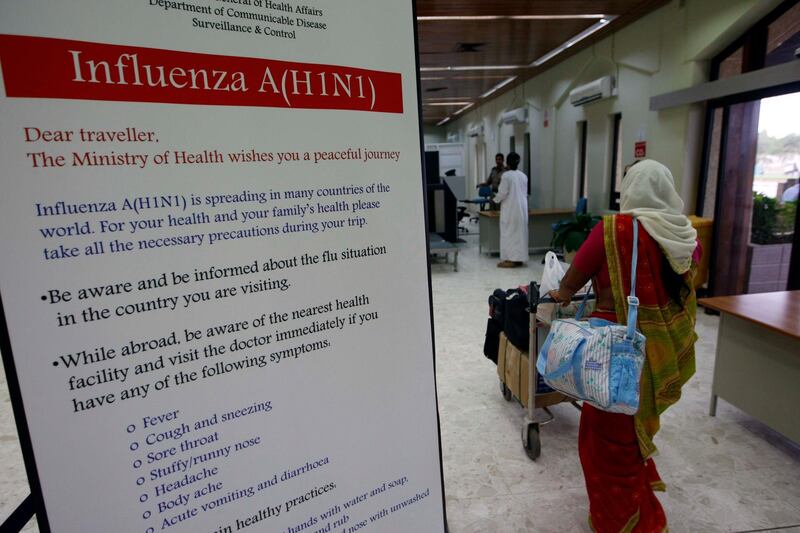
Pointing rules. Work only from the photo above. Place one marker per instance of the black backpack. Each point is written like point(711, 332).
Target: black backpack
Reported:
point(494, 326)
point(507, 313)
point(516, 323)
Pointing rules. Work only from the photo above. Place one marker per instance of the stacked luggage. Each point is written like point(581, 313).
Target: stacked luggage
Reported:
point(507, 341)
point(519, 321)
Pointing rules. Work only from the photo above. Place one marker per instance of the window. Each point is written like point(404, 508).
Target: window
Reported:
point(731, 65)
point(783, 37)
point(772, 41)
point(745, 159)
point(616, 161)
point(581, 163)
point(713, 153)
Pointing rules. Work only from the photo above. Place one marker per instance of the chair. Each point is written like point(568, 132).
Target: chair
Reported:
point(462, 214)
point(580, 209)
point(581, 206)
point(484, 197)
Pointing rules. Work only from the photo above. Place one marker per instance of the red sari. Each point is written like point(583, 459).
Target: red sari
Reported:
point(615, 448)
point(619, 482)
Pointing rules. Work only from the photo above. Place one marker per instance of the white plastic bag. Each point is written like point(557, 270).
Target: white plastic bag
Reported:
point(554, 270)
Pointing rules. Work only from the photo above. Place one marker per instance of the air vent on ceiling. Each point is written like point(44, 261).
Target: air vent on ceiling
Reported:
point(469, 47)
point(435, 89)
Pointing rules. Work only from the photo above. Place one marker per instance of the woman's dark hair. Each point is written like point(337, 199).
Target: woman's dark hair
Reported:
point(674, 283)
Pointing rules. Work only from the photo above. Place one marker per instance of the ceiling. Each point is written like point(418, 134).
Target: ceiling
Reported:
point(471, 50)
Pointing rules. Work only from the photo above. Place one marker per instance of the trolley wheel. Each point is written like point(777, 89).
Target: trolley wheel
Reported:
point(532, 444)
point(506, 392)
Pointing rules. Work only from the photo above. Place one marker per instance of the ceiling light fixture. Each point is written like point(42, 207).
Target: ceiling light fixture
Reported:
point(474, 67)
point(592, 16)
point(444, 98)
point(498, 86)
point(465, 108)
point(508, 17)
point(446, 103)
point(602, 23)
point(443, 121)
point(482, 77)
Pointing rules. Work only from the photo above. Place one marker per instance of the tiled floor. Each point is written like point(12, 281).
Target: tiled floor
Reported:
point(724, 474)
point(727, 473)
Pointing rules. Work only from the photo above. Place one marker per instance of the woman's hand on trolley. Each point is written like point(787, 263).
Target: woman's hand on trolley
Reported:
point(560, 296)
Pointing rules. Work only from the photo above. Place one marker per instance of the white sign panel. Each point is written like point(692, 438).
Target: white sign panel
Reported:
point(214, 274)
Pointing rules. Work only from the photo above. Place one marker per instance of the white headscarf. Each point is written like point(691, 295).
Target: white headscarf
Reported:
point(648, 194)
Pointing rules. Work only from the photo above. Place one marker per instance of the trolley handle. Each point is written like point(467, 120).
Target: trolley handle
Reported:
point(535, 299)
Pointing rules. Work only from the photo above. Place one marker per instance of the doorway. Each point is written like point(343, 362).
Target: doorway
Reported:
point(480, 161)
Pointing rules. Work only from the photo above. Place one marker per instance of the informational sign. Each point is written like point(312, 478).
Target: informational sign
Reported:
point(214, 273)
point(640, 149)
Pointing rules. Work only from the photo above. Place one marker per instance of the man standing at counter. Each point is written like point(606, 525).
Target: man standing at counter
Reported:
point(497, 172)
point(512, 195)
point(493, 180)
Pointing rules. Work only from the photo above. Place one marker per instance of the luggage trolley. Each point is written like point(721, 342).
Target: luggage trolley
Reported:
point(537, 400)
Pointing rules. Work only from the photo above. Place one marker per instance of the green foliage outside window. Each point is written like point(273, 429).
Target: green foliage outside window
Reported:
point(773, 221)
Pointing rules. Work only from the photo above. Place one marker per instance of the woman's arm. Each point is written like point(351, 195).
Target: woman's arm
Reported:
point(587, 263)
point(572, 282)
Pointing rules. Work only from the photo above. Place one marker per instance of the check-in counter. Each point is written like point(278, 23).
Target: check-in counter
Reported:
point(540, 229)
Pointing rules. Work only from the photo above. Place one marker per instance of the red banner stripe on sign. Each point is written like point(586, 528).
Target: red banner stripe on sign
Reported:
point(36, 67)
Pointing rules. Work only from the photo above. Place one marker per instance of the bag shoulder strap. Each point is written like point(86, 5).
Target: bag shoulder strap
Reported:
point(633, 301)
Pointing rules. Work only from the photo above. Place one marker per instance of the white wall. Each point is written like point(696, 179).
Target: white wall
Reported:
point(434, 134)
point(667, 50)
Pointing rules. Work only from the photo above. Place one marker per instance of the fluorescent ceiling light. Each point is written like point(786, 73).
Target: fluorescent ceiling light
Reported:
point(592, 16)
point(603, 22)
point(483, 77)
point(498, 86)
point(459, 98)
point(509, 17)
point(446, 103)
point(475, 67)
point(444, 120)
point(465, 108)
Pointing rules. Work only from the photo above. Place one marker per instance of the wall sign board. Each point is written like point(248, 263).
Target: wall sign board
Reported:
point(215, 292)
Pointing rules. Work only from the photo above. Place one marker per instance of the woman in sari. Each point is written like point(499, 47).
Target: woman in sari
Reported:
point(615, 449)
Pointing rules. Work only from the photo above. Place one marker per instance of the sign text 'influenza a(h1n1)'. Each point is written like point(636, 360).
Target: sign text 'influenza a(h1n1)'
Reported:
point(93, 71)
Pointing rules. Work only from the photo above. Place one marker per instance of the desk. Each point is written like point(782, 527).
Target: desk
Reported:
point(757, 367)
point(540, 231)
